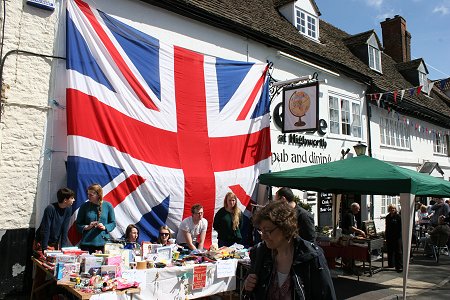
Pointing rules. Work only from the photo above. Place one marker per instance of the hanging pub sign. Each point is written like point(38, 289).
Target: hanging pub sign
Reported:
point(301, 108)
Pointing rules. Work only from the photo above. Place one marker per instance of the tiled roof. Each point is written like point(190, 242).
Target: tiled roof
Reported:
point(259, 20)
point(410, 65)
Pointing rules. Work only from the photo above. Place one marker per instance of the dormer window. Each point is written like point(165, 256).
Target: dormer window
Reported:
point(374, 58)
point(423, 81)
point(306, 23)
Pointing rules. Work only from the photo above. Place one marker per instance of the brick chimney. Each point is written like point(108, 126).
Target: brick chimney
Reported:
point(396, 39)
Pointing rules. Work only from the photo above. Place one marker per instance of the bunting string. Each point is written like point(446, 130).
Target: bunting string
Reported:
point(416, 125)
point(396, 94)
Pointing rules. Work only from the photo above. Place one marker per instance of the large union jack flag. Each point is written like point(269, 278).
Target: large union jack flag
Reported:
point(158, 126)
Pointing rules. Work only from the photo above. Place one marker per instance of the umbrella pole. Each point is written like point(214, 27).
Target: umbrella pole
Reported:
point(336, 204)
point(407, 214)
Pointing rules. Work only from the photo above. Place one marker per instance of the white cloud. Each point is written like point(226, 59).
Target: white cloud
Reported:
point(388, 14)
point(374, 3)
point(443, 10)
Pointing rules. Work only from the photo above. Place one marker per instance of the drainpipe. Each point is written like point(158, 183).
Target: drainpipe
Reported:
point(369, 148)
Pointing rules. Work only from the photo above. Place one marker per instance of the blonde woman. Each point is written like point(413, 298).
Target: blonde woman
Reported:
point(95, 220)
point(164, 236)
point(227, 221)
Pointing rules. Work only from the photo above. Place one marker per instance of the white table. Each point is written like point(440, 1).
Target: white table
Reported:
point(177, 282)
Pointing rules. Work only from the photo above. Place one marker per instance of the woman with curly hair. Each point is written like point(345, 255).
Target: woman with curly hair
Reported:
point(95, 220)
point(283, 265)
point(227, 222)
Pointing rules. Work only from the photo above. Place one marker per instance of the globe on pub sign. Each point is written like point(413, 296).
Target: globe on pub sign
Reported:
point(299, 104)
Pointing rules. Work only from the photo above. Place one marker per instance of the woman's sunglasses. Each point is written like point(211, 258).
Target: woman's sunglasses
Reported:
point(163, 233)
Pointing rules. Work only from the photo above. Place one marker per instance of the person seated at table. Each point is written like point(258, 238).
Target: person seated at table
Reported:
point(192, 231)
point(131, 237)
point(424, 219)
point(393, 235)
point(283, 265)
point(227, 222)
point(164, 236)
point(438, 235)
point(52, 233)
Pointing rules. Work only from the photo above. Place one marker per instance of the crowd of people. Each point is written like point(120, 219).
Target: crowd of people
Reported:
point(286, 263)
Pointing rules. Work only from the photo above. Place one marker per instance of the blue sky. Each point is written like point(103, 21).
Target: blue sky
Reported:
point(428, 21)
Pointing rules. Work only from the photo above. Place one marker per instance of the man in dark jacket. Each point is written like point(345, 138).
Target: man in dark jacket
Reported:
point(393, 234)
point(305, 219)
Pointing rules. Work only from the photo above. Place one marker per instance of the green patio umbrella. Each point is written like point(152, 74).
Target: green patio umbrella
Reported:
point(359, 175)
point(366, 176)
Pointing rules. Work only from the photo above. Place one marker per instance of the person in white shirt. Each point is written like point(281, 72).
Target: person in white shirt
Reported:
point(192, 231)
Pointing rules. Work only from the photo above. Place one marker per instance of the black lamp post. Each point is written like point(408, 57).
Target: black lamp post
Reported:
point(360, 149)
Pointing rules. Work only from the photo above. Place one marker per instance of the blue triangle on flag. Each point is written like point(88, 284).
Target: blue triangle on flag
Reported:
point(230, 75)
point(82, 172)
point(141, 49)
point(79, 57)
point(262, 107)
point(151, 222)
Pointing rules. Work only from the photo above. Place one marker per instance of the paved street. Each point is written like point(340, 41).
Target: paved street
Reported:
point(426, 280)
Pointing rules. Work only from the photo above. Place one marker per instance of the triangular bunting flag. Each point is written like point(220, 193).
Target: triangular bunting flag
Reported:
point(419, 89)
point(402, 93)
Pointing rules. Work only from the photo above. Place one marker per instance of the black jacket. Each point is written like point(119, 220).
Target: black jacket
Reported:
point(312, 279)
point(305, 221)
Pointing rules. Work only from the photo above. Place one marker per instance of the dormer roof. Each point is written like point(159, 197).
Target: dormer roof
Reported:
point(280, 3)
point(362, 39)
point(411, 65)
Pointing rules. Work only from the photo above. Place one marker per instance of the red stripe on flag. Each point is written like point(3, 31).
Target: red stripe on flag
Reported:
point(241, 194)
point(195, 155)
point(126, 187)
point(251, 98)
point(248, 150)
point(91, 118)
point(115, 55)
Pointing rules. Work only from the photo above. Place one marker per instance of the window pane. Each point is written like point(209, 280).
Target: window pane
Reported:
point(345, 117)
point(334, 114)
point(371, 58)
point(356, 120)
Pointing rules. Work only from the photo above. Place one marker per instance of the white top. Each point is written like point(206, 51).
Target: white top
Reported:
point(282, 278)
point(188, 225)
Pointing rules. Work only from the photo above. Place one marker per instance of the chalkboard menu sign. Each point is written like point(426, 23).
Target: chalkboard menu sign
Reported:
point(325, 209)
point(369, 228)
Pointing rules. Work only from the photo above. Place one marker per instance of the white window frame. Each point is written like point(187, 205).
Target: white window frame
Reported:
point(345, 116)
point(394, 133)
point(374, 58)
point(307, 24)
point(386, 201)
point(440, 143)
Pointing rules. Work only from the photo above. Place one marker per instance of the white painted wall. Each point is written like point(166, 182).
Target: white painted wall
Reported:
point(30, 174)
point(26, 112)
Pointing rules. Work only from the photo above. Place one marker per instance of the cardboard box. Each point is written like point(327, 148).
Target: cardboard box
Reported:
point(92, 263)
point(63, 270)
point(110, 270)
